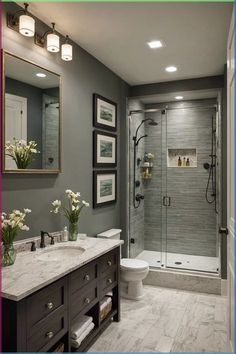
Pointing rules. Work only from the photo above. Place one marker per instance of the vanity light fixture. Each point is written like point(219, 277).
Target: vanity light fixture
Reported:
point(22, 21)
point(66, 50)
point(41, 75)
point(178, 97)
point(155, 44)
point(171, 69)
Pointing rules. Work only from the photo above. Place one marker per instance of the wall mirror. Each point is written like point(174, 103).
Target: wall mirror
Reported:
point(31, 129)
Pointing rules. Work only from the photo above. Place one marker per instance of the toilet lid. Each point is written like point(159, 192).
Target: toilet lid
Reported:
point(133, 264)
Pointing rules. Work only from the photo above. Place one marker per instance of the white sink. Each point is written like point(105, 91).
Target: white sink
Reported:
point(57, 254)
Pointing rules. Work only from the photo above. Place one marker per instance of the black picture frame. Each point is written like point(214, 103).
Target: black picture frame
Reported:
point(96, 122)
point(96, 151)
point(96, 202)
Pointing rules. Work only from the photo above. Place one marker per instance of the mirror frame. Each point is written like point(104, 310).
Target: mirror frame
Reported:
point(28, 171)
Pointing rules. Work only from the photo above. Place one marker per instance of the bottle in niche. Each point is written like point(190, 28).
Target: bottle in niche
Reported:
point(179, 162)
point(188, 162)
point(184, 161)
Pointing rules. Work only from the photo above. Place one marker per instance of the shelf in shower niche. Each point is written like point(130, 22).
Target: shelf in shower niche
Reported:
point(173, 156)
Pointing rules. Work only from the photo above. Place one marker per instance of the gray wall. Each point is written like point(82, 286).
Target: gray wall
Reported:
point(34, 113)
point(80, 79)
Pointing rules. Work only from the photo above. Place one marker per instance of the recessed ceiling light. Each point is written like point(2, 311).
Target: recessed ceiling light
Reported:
point(178, 97)
point(155, 44)
point(171, 69)
point(41, 75)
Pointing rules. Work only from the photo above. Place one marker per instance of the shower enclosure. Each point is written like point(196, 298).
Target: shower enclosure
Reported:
point(173, 186)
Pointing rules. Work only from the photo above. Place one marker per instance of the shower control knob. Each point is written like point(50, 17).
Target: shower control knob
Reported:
point(223, 230)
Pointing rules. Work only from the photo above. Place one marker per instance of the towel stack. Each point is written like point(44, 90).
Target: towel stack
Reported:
point(80, 330)
point(105, 307)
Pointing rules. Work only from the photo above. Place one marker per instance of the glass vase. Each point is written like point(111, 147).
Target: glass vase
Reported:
point(8, 255)
point(73, 231)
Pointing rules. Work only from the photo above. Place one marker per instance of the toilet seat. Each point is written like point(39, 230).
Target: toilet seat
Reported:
point(134, 265)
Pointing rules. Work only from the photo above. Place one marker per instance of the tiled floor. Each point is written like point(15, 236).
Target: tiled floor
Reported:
point(167, 320)
point(201, 263)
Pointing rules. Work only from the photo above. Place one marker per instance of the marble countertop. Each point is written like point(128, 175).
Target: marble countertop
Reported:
point(29, 274)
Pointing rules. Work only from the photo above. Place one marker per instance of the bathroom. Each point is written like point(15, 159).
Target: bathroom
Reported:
point(169, 177)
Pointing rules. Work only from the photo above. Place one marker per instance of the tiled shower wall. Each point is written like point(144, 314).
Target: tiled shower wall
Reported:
point(189, 224)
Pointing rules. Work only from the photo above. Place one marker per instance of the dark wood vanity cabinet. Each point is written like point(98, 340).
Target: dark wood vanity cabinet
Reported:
point(41, 320)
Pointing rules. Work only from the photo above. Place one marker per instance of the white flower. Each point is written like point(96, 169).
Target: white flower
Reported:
point(27, 211)
point(34, 151)
point(56, 203)
point(17, 212)
point(22, 142)
point(73, 208)
point(68, 191)
point(25, 228)
point(85, 203)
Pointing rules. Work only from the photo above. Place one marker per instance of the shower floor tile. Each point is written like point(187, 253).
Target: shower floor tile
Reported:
point(200, 263)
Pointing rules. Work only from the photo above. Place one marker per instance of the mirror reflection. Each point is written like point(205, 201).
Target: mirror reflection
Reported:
point(32, 117)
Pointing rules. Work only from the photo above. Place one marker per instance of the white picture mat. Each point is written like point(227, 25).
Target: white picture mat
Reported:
point(108, 198)
point(101, 159)
point(111, 107)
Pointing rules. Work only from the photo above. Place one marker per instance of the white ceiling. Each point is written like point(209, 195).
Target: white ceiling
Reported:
point(18, 69)
point(195, 36)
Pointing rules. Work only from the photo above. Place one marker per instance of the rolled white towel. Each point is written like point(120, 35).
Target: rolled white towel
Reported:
point(79, 327)
point(76, 342)
point(105, 302)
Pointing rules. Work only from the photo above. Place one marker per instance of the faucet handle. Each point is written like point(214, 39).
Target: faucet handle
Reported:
point(33, 247)
point(52, 239)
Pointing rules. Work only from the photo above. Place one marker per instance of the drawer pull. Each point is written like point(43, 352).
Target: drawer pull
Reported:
point(49, 335)
point(87, 277)
point(109, 263)
point(49, 305)
point(87, 300)
point(109, 281)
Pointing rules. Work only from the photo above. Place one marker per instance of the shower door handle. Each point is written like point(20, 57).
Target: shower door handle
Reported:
point(164, 201)
point(169, 201)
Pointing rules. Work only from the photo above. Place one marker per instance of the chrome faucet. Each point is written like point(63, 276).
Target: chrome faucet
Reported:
point(42, 242)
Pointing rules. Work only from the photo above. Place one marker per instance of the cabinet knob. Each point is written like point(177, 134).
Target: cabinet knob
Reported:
point(87, 300)
point(87, 277)
point(109, 281)
point(49, 334)
point(109, 263)
point(49, 305)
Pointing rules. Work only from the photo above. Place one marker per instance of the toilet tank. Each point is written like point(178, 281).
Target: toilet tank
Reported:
point(110, 234)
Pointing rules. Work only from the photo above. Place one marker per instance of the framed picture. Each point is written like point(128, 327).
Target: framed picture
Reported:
point(104, 113)
point(104, 149)
point(104, 188)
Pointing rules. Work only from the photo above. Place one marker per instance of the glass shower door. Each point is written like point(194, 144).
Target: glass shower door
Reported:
point(191, 238)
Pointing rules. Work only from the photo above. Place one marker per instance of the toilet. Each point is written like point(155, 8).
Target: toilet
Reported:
point(133, 271)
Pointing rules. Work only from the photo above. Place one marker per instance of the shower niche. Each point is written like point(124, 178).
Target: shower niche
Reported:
point(182, 158)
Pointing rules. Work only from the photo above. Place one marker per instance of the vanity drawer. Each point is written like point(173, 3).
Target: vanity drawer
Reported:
point(46, 301)
point(45, 334)
point(108, 281)
point(108, 261)
point(83, 300)
point(83, 276)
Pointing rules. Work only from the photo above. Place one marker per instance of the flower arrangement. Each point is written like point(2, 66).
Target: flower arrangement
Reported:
point(11, 224)
point(21, 152)
point(72, 212)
